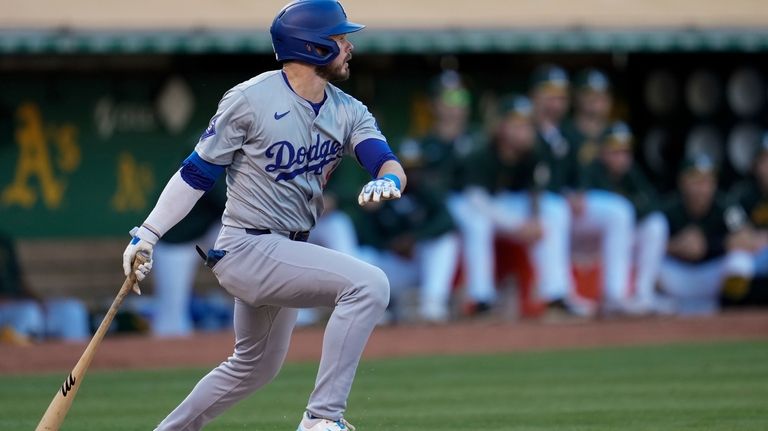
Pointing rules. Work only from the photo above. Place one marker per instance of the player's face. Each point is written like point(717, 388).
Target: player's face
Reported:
point(450, 106)
point(551, 104)
point(698, 188)
point(516, 135)
point(618, 161)
point(338, 69)
point(594, 103)
point(446, 112)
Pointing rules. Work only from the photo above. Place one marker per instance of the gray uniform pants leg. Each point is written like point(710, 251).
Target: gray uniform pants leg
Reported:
point(262, 338)
point(273, 271)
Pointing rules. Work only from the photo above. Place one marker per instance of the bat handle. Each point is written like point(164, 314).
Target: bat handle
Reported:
point(142, 256)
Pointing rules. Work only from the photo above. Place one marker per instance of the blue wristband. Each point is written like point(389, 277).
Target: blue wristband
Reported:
point(395, 179)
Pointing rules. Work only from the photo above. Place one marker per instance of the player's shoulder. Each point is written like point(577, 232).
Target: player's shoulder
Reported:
point(252, 93)
point(344, 100)
point(259, 83)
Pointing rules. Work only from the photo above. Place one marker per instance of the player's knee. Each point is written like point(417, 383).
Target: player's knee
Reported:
point(656, 226)
point(480, 227)
point(556, 213)
point(377, 290)
point(622, 214)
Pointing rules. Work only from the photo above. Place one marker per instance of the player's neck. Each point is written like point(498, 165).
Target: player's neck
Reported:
point(305, 82)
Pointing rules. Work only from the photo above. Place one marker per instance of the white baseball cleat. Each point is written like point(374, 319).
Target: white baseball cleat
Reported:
point(309, 423)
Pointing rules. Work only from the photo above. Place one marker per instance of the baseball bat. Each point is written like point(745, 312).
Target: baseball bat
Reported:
point(62, 401)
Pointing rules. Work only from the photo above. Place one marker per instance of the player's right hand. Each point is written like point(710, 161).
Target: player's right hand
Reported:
point(143, 240)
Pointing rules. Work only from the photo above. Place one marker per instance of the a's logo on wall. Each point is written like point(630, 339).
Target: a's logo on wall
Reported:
point(134, 184)
point(47, 154)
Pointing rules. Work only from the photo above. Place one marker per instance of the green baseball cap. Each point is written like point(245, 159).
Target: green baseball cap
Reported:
point(592, 80)
point(618, 136)
point(550, 76)
point(699, 163)
point(515, 105)
point(449, 88)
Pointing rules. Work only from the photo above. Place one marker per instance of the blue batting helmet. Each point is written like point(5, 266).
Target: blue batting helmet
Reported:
point(303, 26)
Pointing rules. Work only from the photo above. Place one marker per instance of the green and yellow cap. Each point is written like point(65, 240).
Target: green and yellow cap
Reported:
point(618, 136)
point(550, 77)
point(592, 80)
point(699, 163)
point(515, 106)
point(449, 89)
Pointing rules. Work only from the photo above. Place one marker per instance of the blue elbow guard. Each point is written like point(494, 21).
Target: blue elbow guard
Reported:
point(198, 173)
point(372, 153)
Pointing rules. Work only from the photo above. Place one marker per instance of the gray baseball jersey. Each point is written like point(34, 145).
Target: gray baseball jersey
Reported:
point(278, 152)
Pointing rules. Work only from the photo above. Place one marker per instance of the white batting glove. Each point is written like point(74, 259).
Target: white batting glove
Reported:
point(143, 240)
point(380, 189)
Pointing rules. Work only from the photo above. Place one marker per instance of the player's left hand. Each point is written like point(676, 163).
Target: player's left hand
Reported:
point(380, 189)
point(143, 240)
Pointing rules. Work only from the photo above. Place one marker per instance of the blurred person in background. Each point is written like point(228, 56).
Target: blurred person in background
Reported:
point(415, 242)
point(444, 152)
point(504, 195)
point(596, 213)
point(615, 171)
point(176, 263)
point(751, 196)
point(445, 148)
point(593, 106)
point(706, 245)
point(549, 94)
point(25, 315)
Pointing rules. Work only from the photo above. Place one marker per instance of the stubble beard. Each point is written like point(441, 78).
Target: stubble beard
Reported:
point(333, 73)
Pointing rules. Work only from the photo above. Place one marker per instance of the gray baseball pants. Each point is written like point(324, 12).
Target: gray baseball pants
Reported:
point(271, 276)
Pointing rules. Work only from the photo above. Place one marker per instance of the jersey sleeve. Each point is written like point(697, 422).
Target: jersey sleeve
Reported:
point(227, 131)
point(364, 127)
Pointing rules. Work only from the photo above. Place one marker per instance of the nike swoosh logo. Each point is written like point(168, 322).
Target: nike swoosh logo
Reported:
point(279, 116)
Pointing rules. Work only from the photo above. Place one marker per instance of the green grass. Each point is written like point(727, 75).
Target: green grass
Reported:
point(678, 387)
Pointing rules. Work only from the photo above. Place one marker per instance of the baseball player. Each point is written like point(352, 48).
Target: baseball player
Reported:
point(592, 115)
point(505, 196)
point(595, 212)
point(614, 171)
point(279, 136)
point(751, 196)
point(701, 253)
point(444, 152)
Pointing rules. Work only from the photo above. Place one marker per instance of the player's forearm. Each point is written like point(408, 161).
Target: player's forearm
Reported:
point(393, 167)
point(174, 203)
